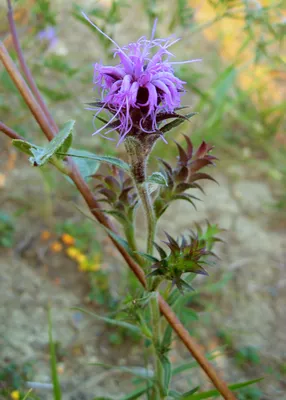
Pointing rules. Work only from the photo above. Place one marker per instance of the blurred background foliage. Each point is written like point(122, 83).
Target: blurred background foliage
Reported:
point(238, 90)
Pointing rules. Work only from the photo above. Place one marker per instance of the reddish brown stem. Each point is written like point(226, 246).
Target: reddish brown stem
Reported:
point(94, 207)
point(9, 132)
point(26, 70)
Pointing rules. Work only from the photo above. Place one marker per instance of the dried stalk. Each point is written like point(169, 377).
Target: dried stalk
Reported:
point(26, 70)
point(94, 207)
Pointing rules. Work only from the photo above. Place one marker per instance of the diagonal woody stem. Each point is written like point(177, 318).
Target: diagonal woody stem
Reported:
point(26, 70)
point(95, 209)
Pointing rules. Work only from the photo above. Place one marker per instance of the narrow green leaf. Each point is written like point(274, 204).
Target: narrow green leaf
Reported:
point(53, 361)
point(116, 214)
point(192, 391)
point(174, 124)
point(175, 395)
point(167, 368)
point(193, 364)
point(167, 338)
point(175, 295)
point(110, 321)
point(120, 241)
point(60, 144)
point(27, 395)
point(117, 162)
point(104, 398)
point(140, 372)
point(158, 178)
point(184, 196)
point(148, 257)
point(215, 393)
point(23, 146)
point(136, 394)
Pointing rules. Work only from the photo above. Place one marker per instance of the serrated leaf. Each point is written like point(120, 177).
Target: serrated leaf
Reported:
point(158, 178)
point(212, 393)
point(117, 162)
point(174, 124)
point(111, 321)
point(60, 143)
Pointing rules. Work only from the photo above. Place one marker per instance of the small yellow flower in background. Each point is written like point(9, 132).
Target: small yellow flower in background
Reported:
point(56, 247)
point(68, 239)
point(94, 267)
point(45, 235)
point(15, 395)
point(72, 252)
point(81, 258)
point(83, 266)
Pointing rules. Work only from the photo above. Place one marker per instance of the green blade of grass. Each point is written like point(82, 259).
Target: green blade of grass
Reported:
point(215, 393)
point(53, 361)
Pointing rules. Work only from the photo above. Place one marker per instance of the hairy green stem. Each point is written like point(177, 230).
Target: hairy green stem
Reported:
point(138, 154)
point(156, 328)
point(130, 237)
point(150, 215)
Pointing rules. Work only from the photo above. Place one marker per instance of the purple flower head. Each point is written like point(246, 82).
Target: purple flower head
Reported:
point(49, 35)
point(140, 87)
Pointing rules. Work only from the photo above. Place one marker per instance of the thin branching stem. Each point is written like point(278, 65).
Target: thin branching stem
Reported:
point(95, 209)
point(9, 132)
point(26, 70)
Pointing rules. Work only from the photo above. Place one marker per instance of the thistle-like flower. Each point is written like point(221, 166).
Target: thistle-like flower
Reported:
point(140, 89)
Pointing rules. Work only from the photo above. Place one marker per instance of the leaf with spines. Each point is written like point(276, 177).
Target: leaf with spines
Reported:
point(184, 176)
point(184, 256)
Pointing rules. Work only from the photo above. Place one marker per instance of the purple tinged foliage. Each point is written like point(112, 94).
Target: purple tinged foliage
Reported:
point(140, 87)
point(185, 175)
